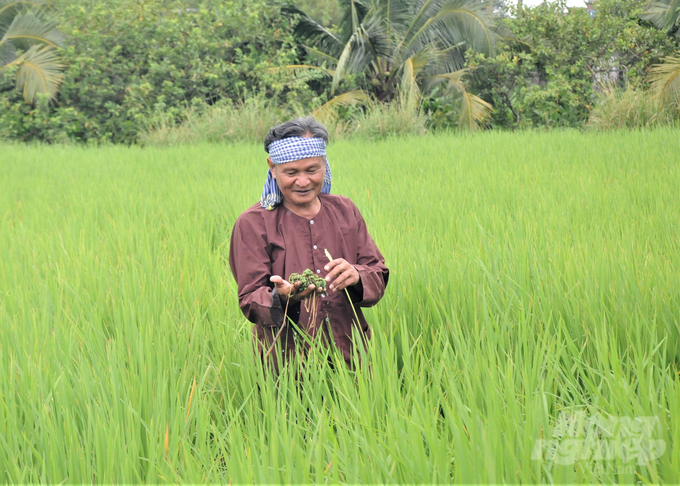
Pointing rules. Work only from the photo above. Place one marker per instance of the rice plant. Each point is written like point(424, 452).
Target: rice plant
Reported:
point(529, 333)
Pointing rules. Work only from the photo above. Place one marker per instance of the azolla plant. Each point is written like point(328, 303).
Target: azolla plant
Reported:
point(306, 279)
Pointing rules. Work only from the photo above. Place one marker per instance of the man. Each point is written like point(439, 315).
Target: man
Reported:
point(296, 224)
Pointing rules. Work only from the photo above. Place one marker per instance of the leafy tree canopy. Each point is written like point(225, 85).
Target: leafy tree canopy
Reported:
point(550, 74)
point(130, 62)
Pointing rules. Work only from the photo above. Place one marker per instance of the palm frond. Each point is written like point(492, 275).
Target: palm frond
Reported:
point(664, 14)
point(374, 31)
point(453, 26)
point(8, 53)
point(355, 11)
point(342, 63)
point(40, 71)
point(9, 9)
point(412, 67)
point(365, 45)
point(394, 16)
point(328, 111)
point(308, 30)
point(461, 21)
point(317, 55)
point(409, 86)
point(665, 79)
point(398, 13)
point(31, 29)
point(426, 10)
point(474, 110)
point(8, 4)
point(447, 60)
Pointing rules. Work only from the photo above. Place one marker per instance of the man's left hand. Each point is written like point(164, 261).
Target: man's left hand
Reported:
point(341, 274)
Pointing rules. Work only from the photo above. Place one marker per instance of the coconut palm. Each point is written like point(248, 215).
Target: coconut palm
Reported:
point(665, 80)
point(401, 48)
point(665, 77)
point(664, 14)
point(28, 40)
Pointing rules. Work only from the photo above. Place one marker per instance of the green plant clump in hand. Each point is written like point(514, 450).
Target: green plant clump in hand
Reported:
point(306, 279)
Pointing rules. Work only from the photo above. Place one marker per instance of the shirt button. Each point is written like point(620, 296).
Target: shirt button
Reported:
point(318, 271)
point(323, 295)
point(315, 247)
point(311, 222)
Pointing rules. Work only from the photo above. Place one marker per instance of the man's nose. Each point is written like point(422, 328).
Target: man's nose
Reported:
point(303, 181)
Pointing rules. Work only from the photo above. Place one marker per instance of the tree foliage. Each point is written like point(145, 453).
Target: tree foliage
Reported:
point(130, 62)
point(129, 65)
point(560, 59)
point(328, 13)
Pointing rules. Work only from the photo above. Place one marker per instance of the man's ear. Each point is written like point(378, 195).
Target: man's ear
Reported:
point(271, 166)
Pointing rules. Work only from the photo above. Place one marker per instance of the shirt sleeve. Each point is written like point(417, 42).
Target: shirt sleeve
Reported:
point(251, 266)
point(371, 267)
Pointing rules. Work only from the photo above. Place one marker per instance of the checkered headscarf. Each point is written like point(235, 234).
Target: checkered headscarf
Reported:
point(288, 150)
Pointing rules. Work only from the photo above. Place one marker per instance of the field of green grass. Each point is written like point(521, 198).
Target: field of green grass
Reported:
point(530, 331)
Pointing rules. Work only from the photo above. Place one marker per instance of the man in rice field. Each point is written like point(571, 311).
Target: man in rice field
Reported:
point(299, 225)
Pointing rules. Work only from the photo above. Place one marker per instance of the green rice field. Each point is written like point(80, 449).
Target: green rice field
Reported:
point(530, 331)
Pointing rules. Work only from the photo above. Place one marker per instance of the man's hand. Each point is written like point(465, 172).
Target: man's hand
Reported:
point(288, 291)
point(341, 274)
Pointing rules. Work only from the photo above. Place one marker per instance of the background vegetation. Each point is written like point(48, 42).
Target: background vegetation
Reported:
point(532, 274)
point(555, 68)
point(130, 62)
point(137, 71)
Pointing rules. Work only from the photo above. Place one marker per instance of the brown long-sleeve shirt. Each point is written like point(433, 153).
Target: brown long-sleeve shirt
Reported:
point(279, 242)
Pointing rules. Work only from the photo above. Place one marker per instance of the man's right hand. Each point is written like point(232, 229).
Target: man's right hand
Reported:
point(289, 292)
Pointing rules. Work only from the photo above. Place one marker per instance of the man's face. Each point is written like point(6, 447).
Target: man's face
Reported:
point(300, 181)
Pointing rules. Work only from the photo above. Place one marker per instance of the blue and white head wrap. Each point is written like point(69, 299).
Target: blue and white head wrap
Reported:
point(288, 150)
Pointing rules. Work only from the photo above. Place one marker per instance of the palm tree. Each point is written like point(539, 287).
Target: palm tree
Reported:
point(28, 40)
point(665, 77)
point(666, 80)
point(401, 48)
point(664, 14)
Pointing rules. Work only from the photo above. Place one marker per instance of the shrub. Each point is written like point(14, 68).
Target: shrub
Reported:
point(250, 120)
point(548, 74)
point(382, 120)
point(629, 108)
point(246, 121)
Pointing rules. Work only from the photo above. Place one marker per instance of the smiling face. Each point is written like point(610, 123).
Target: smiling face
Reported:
point(299, 181)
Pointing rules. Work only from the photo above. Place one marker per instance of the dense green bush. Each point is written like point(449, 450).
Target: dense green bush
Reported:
point(130, 62)
point(551, 72)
